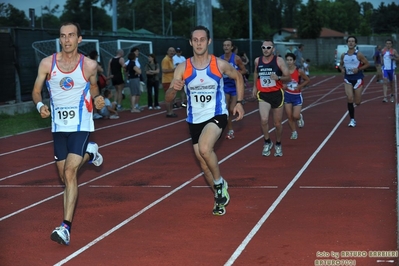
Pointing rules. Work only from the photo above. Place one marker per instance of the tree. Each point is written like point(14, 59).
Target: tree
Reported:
point(310, 23)
point(385, 19)
point(12, 17)
point(84, 12)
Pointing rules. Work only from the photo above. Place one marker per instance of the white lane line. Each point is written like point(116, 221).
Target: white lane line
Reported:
point(259, 224)
point(327, 187)
point(107, 144)
point(120, 168)
point(143, 186)
point(31, 186)
point(183, 185)
point(230, 187)
point(94, 179)
point(117, 227)
point(97, 129)
point(263, 219)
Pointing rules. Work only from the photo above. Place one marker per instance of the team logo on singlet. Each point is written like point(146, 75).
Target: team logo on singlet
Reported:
point(66, 83)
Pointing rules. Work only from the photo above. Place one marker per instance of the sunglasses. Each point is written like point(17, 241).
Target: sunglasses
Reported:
point(267, 47)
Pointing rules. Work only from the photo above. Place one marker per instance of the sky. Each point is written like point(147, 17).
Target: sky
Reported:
point(37, 4)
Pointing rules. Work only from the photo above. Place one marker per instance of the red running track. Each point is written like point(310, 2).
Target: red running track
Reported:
point(332, 193)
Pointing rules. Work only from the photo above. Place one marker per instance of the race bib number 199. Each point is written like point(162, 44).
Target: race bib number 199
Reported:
point(66, 116)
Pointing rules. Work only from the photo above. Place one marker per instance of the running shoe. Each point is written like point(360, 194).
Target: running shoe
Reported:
point(92, 147)
point(175, 105)
point(150, 108)
point(114, 117)
point(301, 123)
point(385, 100)
point(61, 235)
point(218, 210)
point(279, 151)
point(392, 98)
point(97, 116)
point(230, 134)
point(222, 198)
point(294, 135)
point(267, 147)
point(157, 107)
point(352, 123)
point(135, 110)
point(138, 107)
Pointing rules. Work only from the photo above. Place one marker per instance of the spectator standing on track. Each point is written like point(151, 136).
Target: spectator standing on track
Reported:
point(229, 88)
point(177, 59)
point(152, 71)
point(167, 76)
point(269, 74)
point(116, 67)
point(299, 57)
point(201, 77)
point(352, 64)
point(72, 83)
point(377, 63)
point(389, 57)
point(134, 73)
point(293, 96)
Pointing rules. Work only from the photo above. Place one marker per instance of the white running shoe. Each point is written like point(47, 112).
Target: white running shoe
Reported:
point(114, 117)
point(61, 235)
point(279, 151)
point(230, 134)
point(301, 123)
point(352, 123)
point(267, 147)
point(92, 147)
point(294, 135)
point(97, 116)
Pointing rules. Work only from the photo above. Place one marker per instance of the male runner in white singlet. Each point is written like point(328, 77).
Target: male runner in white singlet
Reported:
point(71, 79)
point(202, 78)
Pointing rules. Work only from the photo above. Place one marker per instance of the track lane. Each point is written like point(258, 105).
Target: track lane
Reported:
point(228, 167)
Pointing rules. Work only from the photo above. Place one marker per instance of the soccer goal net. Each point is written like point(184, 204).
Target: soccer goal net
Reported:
point(109, 48)
point(48, 47)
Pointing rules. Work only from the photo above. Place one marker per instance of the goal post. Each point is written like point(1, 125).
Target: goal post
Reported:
point(48, 47)
point(109, 48)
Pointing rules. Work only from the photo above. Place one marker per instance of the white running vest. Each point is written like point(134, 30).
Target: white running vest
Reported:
point(70, 99)
point(388, 62)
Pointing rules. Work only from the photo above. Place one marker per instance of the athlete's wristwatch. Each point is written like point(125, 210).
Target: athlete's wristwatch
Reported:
point(239, 101)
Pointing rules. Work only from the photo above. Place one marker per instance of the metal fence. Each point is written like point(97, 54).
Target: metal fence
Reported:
point(19, 63)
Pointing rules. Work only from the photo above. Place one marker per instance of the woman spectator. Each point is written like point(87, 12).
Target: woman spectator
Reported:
point(152, 71)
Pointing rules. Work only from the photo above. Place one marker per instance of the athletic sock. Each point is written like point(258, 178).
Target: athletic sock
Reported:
point(351, 110)
point(218, 182)
point(91, 155)
point(267, 141)
point(67, 225)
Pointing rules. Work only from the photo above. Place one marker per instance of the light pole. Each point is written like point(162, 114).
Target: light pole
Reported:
point(163, 19)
